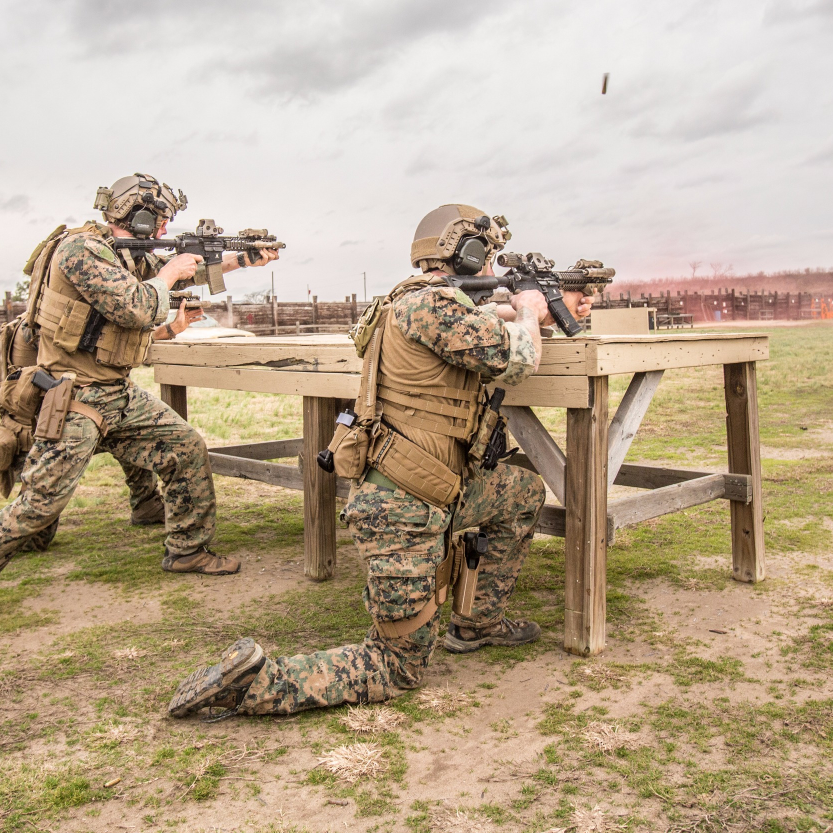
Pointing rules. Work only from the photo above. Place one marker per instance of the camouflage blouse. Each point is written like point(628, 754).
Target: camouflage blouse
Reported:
point(447, 322)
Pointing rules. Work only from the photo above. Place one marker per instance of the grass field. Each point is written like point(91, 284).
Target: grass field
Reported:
point(711, 709)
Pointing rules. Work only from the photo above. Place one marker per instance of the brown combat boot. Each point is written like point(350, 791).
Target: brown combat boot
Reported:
point(201, 561)
point(462, 640)
point(224, 684)
point(149, 512)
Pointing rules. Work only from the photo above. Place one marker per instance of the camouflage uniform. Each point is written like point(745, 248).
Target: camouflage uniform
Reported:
point(142, 484)
point(144, 434)
point(402, 539)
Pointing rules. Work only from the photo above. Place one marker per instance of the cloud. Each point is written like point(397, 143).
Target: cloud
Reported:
point(798, 11)
point(18, 203)
point(823, 157)
point(730, 106)
point(286, 50)
point(341, 44)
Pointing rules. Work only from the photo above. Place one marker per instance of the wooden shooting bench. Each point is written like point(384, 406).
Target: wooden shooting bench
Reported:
point(574, 373)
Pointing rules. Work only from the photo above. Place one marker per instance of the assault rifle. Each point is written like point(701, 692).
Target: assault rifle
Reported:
point(534, 271)
point(208, 242)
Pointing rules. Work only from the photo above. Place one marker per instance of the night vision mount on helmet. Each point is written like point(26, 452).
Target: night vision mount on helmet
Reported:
point(139, 204)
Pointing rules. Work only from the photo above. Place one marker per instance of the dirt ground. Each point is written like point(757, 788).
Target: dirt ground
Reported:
point(710, 710)
point(482, 755)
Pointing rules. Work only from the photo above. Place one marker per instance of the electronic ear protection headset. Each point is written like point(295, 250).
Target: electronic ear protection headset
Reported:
point(143, 220)
point(469, 257)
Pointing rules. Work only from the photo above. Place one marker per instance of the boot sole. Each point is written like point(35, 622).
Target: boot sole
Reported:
point(197, 690)
point(461, 646)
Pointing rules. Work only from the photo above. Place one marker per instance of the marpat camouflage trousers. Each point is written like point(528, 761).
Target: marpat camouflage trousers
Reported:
point(146, 437)
point(402, 540)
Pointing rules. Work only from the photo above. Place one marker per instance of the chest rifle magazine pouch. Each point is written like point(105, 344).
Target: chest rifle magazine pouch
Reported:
point(120, 347)
point(53, 412)
point(71, 326)
point(488, 423)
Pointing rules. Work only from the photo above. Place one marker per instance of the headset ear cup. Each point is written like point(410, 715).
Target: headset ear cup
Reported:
point(143, 223)
point(470, 256)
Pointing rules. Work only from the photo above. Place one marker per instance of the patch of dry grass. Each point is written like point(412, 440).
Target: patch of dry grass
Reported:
point(352, 762)
point(368, 721)
point(443, 701)
point(608, 737)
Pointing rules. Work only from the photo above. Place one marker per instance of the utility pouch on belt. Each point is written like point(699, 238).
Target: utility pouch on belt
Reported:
point(53, 412)
point(20, 393)
point(346, 454)
point(15, 438)
point(412, 468)
point(8, 448)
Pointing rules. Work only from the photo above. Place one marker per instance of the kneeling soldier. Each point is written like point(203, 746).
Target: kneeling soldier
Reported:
point(78, 276)
point(416, 447)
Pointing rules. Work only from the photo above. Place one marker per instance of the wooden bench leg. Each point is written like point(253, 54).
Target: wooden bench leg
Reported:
point(585, 603)
point(176, 397)
point(741, 387)
point(319, 490)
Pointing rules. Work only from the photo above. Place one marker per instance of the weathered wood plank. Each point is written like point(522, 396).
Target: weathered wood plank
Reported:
point(546, 391)
point(736, 486)
point(599, 356)
point(550, 392)
point(628, 418)
point(633, 354)
point(539, 446)
point(261, 380)
point(553, 521)
point(319, 490)
point(176, 397)
point(262, 353)
point(641, 507)
point(741, 390)
point(563, 357)
point(585, 546)
point(275, 474)
point(270, 450)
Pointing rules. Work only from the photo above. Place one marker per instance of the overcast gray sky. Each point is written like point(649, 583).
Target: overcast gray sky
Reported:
point(339, 124)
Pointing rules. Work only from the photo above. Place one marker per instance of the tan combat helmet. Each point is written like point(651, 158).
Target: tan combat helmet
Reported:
point(139, 204)
point(442, 239)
